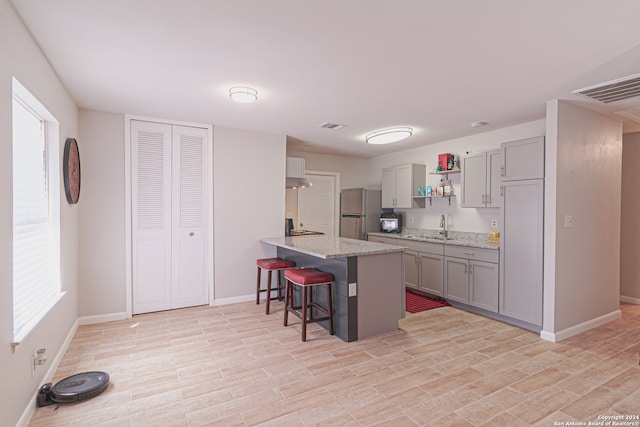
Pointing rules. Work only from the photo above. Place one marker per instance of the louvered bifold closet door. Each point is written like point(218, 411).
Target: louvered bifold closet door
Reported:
point(189, 284)
point(151, 216)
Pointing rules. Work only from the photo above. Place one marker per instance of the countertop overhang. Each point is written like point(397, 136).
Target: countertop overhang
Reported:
point(328, 247)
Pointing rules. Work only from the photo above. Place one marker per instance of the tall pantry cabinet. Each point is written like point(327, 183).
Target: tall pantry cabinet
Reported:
point(521, 239)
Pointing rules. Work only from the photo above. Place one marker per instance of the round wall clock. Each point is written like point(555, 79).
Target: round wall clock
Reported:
point(71, 170)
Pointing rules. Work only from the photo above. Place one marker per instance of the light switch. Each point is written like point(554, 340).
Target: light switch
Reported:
point(568, 221)
point(353, 289)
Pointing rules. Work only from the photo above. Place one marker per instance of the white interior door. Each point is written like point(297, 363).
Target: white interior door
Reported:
point(151, 216)
point(317, 205)
point(189, 248)
point(169, 227)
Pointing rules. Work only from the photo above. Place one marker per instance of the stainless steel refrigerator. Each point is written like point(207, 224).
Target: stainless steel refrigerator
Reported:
point(360, 211)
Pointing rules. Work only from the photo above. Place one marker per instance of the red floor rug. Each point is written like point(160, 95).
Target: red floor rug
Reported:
point(417, 303)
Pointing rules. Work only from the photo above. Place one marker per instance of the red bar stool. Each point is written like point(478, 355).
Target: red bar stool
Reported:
point(271, 265)
point(307, 278)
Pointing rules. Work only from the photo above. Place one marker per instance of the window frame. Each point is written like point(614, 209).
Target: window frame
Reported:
point(53, 172)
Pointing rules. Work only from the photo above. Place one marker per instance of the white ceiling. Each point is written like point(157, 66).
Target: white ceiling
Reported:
point(434, 65)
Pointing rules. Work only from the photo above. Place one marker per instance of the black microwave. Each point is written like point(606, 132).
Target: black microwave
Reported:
point(390, 223)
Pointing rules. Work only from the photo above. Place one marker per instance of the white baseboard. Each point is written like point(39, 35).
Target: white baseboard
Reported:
point(233, 300)
point(585, 326)
point(31, 406)
point(101, 318)
point(629, 300)
point(28, 412)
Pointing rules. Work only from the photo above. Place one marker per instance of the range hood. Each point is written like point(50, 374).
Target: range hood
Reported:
point(295, 173)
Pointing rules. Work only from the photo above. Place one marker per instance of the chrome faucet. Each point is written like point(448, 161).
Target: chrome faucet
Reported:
point(443, 227)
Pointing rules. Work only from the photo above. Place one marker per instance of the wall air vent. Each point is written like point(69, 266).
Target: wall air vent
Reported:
point(328, 125)
point(614, 90)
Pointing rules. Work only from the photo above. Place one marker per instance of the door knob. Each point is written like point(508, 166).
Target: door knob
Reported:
point(192, 233)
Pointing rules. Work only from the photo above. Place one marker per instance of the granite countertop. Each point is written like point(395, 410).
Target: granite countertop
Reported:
point(332, 247)
point(457, 238)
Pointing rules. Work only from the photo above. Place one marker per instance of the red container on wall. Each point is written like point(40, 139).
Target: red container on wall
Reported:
point(443, 160)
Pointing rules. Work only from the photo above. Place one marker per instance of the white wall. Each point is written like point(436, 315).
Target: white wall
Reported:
point(102, 220)
point(585, 283)
point(248, 198)
point(249, 191)
point(459, 219)
point(630, 221)
point(353, 170)
point(353, 174)
point(22, 58)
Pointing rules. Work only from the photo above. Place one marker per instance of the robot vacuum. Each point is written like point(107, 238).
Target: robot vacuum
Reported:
point(74, 388)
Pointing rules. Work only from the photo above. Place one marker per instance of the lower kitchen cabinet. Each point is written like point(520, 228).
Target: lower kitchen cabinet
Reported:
point(483, 285)
point(431, 273)
point(456, 279)
point(425, 261)
point(473, 279)
point(411, 269)
point(463, 274)
point(471, 276)
point(423, 264)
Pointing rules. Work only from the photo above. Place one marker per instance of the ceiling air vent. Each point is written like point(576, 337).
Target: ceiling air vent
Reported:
point(614, 90)
point(328, 125)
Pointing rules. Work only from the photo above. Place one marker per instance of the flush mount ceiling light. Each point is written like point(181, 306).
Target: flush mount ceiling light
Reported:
point(243, 94)
point(387, 136)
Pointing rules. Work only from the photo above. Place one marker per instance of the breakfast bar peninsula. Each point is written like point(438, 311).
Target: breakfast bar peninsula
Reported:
point(368, 291)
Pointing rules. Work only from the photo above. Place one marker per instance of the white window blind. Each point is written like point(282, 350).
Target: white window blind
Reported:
point(36, 253)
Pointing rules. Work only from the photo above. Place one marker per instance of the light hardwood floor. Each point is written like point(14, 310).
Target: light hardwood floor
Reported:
point(235, 366)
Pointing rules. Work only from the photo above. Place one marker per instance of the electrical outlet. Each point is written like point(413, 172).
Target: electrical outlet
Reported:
point(410, 220)
point(494, 223)
point(353, 289)
point(568, 221)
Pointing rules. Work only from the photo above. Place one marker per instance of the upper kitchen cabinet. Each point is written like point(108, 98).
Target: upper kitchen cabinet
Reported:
point(523, 159)
point(400, 185)
point(481, 180)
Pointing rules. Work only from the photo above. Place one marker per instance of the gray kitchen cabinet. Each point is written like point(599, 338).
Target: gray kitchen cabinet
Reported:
point(411, 269)
point(389, 188)
point(521, 240)
point(522, 230)
point(429, 263)
point(523, 159)
point(481, 180)
point(423, 264)
point(471, 276)
point(400, 185)
point(431, 273)
point(483, 286)
point(456, 279)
